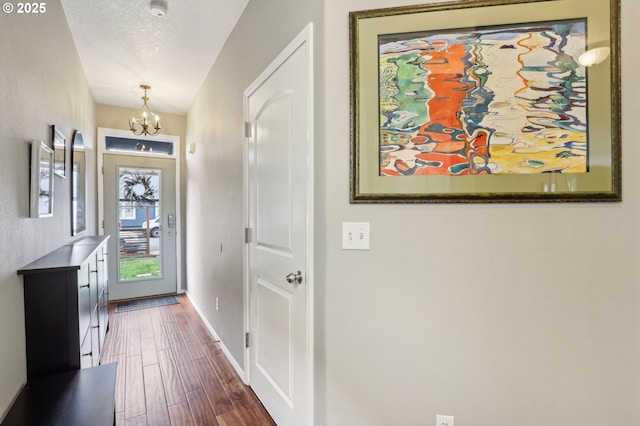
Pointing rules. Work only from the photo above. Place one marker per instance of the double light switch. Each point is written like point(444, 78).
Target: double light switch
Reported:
point(355, 235)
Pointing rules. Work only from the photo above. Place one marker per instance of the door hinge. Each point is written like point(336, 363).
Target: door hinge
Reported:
point(247, 129)
point(247, 235)
point(102, 223)
point(246, 340)
point(102, 168)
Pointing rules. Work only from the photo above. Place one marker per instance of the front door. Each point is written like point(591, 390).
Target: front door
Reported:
point(140, 216)
point(279, 252)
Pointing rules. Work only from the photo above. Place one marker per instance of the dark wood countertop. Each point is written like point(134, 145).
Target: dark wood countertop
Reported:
point(68, 257)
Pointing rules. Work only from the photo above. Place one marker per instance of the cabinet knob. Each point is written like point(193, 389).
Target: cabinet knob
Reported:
point(88, 354)
point(85, 286)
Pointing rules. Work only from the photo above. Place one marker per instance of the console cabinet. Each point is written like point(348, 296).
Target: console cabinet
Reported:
point(66, 307)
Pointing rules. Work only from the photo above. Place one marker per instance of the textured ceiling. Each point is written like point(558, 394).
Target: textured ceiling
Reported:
point(122, 45)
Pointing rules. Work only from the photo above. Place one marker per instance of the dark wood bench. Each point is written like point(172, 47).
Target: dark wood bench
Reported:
point(73, 398)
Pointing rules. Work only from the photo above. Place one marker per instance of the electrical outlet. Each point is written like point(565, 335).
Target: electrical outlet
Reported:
point(217, 304)
point(444, 420)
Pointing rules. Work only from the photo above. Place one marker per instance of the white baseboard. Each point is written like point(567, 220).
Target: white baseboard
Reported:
point(226, 352)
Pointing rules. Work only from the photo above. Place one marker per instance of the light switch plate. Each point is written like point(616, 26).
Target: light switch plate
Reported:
point(355, 235)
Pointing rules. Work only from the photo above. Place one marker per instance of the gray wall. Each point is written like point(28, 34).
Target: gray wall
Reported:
point(498, 314)
point(41, 83)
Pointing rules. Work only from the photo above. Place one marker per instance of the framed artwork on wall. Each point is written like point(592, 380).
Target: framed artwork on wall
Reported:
point(41, 192)
point(59, 145)
point(486, 101)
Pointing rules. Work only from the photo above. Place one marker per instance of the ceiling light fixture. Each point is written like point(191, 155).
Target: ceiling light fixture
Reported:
point(158, 8)
point(144, 121)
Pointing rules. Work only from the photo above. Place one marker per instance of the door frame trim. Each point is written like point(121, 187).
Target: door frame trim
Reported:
point(304, 37)
point(177, 152)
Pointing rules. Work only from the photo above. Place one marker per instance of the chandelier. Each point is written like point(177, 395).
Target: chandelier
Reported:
point(144, 121)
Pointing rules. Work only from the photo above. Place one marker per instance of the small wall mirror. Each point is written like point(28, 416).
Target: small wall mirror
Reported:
point(78, 185)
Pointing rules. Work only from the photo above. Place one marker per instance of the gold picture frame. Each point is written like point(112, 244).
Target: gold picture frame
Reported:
point(486, 101)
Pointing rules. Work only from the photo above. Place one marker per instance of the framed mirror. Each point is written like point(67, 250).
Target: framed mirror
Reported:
point(41, 193)
point(78, 184)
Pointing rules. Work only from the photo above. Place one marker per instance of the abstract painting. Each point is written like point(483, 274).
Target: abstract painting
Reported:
point(484, 101)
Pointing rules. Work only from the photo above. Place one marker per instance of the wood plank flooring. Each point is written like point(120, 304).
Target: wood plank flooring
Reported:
point(171, 371)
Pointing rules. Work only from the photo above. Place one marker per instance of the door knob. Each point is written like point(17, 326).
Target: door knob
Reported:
point(294, 277)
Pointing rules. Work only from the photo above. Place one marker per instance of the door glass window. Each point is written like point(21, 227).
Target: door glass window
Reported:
point(139, 229)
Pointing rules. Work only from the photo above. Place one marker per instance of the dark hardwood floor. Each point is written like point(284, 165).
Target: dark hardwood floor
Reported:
point(171, 371)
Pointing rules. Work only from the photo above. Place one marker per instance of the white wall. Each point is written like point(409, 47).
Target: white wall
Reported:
point(500, 315)
point(41, 83)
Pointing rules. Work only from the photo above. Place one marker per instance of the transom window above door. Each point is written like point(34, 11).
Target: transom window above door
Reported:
point(117, 144)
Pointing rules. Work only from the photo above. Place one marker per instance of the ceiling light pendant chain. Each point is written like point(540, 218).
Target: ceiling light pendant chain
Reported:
point(144, 121)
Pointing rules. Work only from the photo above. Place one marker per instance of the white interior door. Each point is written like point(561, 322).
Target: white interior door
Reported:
point(140, 215)
point(279, 203)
